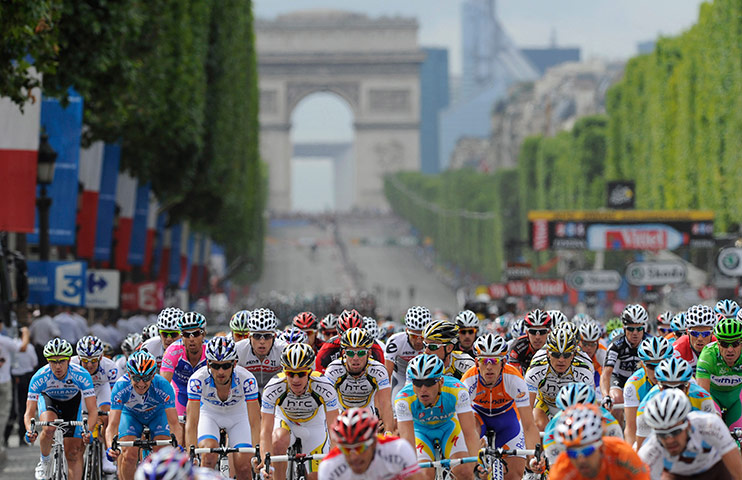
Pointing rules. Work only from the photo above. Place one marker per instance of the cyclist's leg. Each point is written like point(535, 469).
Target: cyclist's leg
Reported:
point(617, 384)
point(424, 449)
point(208, 437)
point(130, 428)
point(239, 435)
point(48, 412)
point(73, 447)
point(282, 438)
point(159, 427)
point(509, 435)
point(454, 446)
point(314, 440)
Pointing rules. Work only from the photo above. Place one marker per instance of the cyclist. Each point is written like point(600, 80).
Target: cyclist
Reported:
point(678, 326)
point(439, 338)
point(404, 346)
point(328, 326)
point(663, 325)
point(308, 323)
point(306, 402)
point(435, 409)
point(131, 344)
point(499, 398)
point(239, 325)
point(591, 455)
point(550, 372)
point(651, 351)
point(674, 373)
point(557, 317)
point(590, 335)
point(370, 325)
point(184, 357)
point(223, 395)
point(537, 323)
point(360, 453)
point(699, 324)
point(293, 335)
point(727, 308)
point(57, 390)
point(719, 369)
point(468, 323)
point(361, 381)
point(140, 398)
point(332, 350)
point(149, 331)
point(622, 357)
point(687, 444)
point(261, 353)
point(168, 333)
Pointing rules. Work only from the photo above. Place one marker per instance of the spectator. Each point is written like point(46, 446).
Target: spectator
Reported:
point(42, 330)
point(8, 348)
point(69, 325)
point(22, 369)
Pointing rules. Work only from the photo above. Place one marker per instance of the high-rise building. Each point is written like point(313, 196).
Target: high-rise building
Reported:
point(434, 97)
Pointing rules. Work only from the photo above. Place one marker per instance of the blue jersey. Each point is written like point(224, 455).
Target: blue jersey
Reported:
point(158, 396)
point(636, 388)
point(76, 380)
point(453, 399)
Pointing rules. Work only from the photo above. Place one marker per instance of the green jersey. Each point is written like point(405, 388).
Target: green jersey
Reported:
point(711, 365)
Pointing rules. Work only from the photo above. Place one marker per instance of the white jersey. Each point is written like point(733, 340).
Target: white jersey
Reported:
point(394, 459)
point(299, 408)
point(103, 379)
point(544, 381)
point(262, 369)
point(120, 362)
point(154, 346)
point(357, 390)
point(399, 351)
point(709, 440)
point(244, 388)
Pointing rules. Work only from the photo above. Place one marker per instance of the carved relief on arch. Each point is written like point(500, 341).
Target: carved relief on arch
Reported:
point(296, 91)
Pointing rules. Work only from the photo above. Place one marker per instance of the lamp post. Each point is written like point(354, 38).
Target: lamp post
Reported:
point(44, 177)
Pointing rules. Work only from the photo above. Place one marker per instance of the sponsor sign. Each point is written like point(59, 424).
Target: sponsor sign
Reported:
point(551, 287)
point(517, 288)
point(633, 237)
point(729, 262)
point(518, 271)
point(56, 283)
point(594, 280)
point(621, 194)
point(102, 288)
point(655, 273)
point(497, 290)
point(147, 296)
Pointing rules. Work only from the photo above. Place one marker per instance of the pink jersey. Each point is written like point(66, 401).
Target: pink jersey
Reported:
point(175, 360)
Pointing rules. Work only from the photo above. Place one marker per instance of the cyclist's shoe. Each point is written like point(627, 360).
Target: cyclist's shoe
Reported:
point(108, 466)
point(43, 470)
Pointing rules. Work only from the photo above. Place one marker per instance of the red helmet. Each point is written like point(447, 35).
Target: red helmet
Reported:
point(305, 321)
point(538, 319)
point(349, 319)
point(354, 426)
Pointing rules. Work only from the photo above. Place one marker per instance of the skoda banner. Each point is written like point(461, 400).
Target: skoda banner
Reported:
point(56, 283)
point(594, 280)
point(655, 273)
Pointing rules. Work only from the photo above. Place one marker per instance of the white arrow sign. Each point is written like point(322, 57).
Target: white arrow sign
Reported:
point(594, 280)
point(655, 273)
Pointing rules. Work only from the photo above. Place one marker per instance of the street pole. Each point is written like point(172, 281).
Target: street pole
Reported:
point(43, 203)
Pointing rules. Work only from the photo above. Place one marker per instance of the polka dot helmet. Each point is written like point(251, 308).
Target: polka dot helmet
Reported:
point(168, 318)
point(262, 320)
point(417, 318)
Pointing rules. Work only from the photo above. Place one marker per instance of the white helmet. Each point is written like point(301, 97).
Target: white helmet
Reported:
point(262, 320)
point(417, 318)
point(634, 313)
point(581, 424)
point(490, 344)
point(168, 318)
point(700, 316)
point(370, 325)
point(467, 319)
point(590, 332)
point(667, 409)
point(557, 317)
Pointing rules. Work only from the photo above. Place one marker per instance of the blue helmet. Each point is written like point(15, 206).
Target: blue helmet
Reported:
point(141, 363)
point(191, 321)
point(654, 349)
point(726, 307)
point(673, 370)
point(221, 349)
point(575, 393)
point(89, 347)
point(424, 367)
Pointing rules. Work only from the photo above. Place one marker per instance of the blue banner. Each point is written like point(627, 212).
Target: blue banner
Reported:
point(56, 283)
point(159, 241)
point(189, 261)
point(107, 202)
point(174, 274)
point(139, 227)
point(64, 127)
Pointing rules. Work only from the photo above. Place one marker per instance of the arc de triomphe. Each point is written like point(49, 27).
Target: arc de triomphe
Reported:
point(372, 63)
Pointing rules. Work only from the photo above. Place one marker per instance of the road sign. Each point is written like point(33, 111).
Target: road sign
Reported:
point(594, 280)
point(655, 273)
point(56, 283)
point(102, 288)
point(729, 262)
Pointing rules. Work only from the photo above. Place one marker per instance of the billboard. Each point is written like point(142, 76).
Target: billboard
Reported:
point(620, 229)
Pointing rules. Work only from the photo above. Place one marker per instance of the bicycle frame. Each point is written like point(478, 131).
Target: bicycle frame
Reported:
point(93, 466)
point(223, 453)
point(59, 465)
point(296, 460)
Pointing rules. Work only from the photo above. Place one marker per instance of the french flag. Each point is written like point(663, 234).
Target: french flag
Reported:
point(186, 250)
point(89, 175)
point(126, 190)
point(19, 144)
point(149, 246)
point(164, 264)
point(194, 285)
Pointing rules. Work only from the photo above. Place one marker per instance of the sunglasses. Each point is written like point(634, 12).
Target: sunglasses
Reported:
point(58, 361)
point(428, 382)
point(587, 344)
point(195, 334)
point(651, 365)
point(491, 360)
point(696, 334)
point(733, 344)
point(357, 449)
point(140, 378)
point(671, 433)
point(330, 333)
point(301, 374)
point(88, 361)
point(309, 331)
point(664, 330)
point(240, 335)
point(262, 336)
point(584, 451)
point(538, 331)
point(634, 329)
point(467, 331)
point(169, 334)
point(221, 366)
point(433, 346)
point(558, 355)
point(356, 353)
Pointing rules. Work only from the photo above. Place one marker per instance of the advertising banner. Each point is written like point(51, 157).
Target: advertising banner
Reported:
point(102, 288)
point(546, 287)
point(497, 291)
point(146, 296)
point(107, 202)
point(594, 280)
point(655, 273)
point(56, 283)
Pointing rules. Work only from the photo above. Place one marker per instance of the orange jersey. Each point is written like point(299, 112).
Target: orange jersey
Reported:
point(619, 462)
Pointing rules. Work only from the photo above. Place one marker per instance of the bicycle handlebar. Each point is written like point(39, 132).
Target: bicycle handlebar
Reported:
point(57, 423)
point(300, 457)
point(139, 443)
point(449, 462)
point(513, 453)
point(197, 451)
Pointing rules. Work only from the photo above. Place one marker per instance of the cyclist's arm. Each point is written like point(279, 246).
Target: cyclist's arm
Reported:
point(733, 461)
point(266, 432)
point(166, 374)
point(31, 406)
point(605, 381)
point(471, 434)
point(704, 383)
point(92, 406)
point(114, 418)
point(383, 400)
point(529, 427)
point(407, 431)
point(389, 364)
point(629, 433)
point(172, 420)
point(331, 416)
point(253, 415)
point(540, 419)
point(193, 410)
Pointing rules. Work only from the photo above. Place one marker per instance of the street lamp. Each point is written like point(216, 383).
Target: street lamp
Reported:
point(44, 177)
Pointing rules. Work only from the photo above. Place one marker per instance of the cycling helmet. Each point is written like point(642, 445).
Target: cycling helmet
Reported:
point(664, 318)
point(441, 331)
point(654, 349)
point(673, 370)
point(517, 328)
point(297, 356)
point(262, 320)
point(354, 426)
point(537, 319)
point(329, 322)
point(490, 345)
point(305, 321)
point(678, 322)
point(166, 464)
point(728, 330)
point(240, 321)
point(467, 319)
point(107, 349)
point(590, 332)
point(424, 367)
point(615, 334)
point(294, 335)
point(634, 314)
point(574, 393)
point(131, 343)
point(370, 325)
point(142, 364)
point(557, 317)
point(569, 327)
point(191, 321)
point(728, 308)
point(560, 340)
point(221, 349)
point(581, 318)
point(613, 324)
point(700, 316)
point(349, 319)
point(57, 347)
point(89, 347)
point(168, 319)
point(356, 338)
point(150, 331)
point(580, 424)
point(417, 318)
point(667, 409)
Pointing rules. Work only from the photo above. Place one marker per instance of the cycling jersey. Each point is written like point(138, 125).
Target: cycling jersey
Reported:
point(140, 410)
point(103, 379)
point(357, 390)
point(77, 379)
point(460, 363)
point(544, 381)
point(618, 462)
point(554, 448)
point(263, 369)
point(332, 350)
point(683, 349)
point(175, 360)
point(700, 400)
point(598, 360)
point(299, 408)
point(399, 351)
point(636, 388)
point(154, 346)
point(394, 459)
point(726, 382)
point(521, 353)
point(623, 358)
point(708, 441)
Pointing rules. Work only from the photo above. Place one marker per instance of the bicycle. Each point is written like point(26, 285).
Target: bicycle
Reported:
point(296, 468)
point(93, 456)
point(223, 451)
point(59, 461)
point(493, 461)
point(443, 467)
point(144, 444)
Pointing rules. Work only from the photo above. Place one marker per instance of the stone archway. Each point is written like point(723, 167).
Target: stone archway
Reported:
point(371, 63)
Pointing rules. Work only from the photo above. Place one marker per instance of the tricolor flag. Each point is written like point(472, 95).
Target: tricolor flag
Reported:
point(186, 249)
point(139, 228)
point(195, 284)
point(107, 202)
point(163, 269)
point(89, 175)
point(126, 189)
point(176, 233)
point(152, 229)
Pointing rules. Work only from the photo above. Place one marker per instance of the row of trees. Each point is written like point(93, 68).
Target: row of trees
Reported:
point(174, 81)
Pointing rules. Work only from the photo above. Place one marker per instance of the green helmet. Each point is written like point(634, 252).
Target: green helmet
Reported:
point(728, 329)
point(613, 324)
point(57, 347)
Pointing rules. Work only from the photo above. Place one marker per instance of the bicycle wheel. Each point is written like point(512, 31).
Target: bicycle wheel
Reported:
point(59, 467)
point(97, 463)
